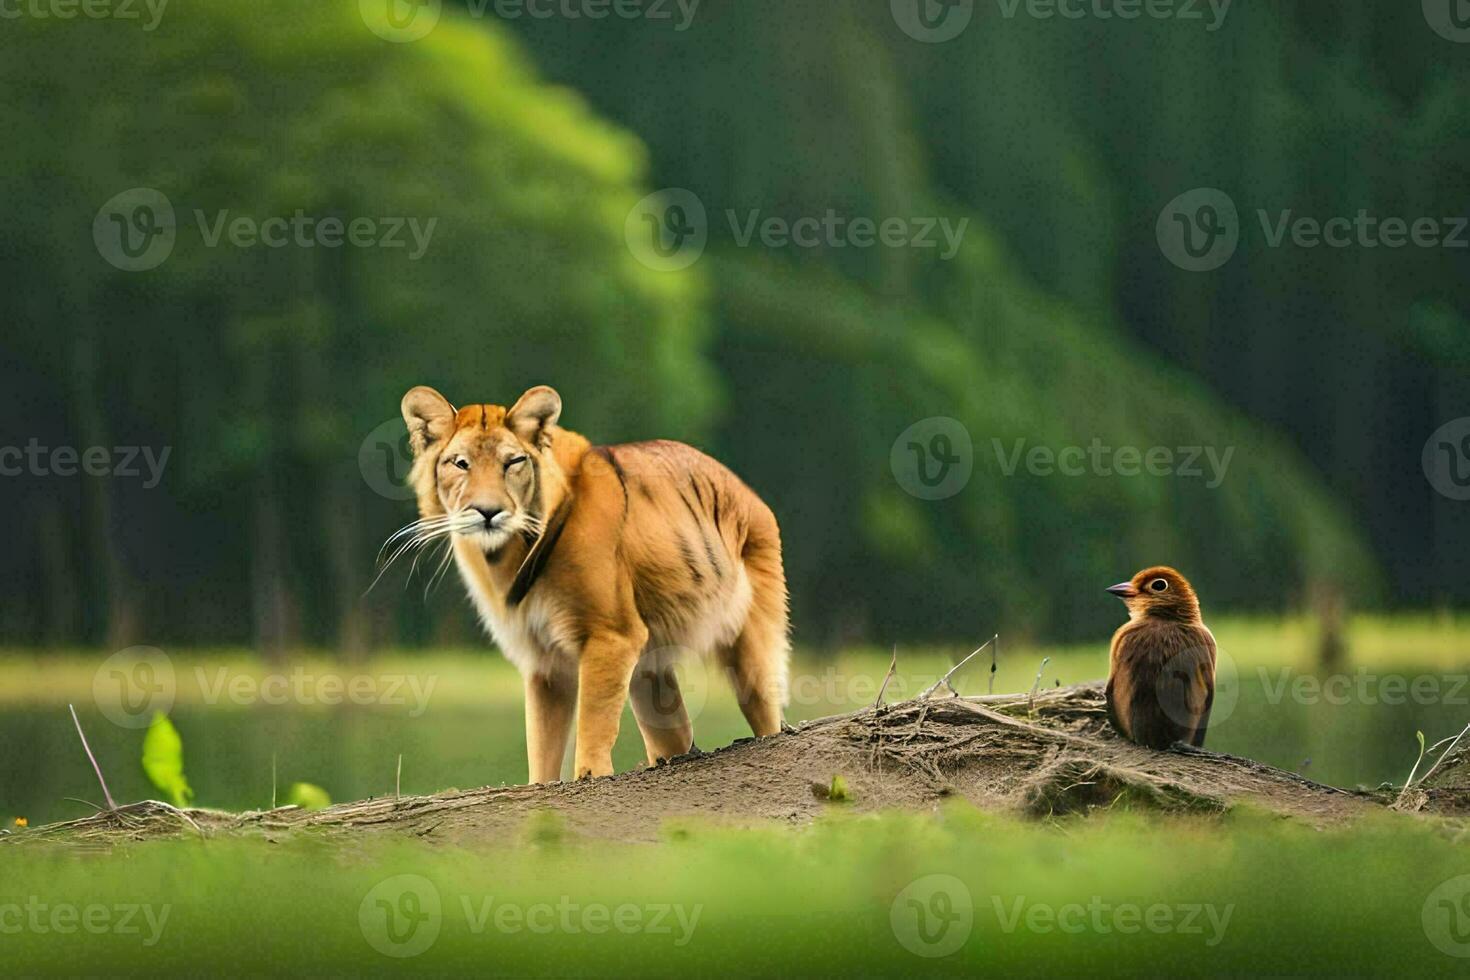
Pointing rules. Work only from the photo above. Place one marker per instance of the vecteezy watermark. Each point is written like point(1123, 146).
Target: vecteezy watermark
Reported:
point(670, 229)
point(1450, 19)
point(65, 919)
point(1189, 682)
point(936, 21)
point(305, 231)
point(1446, 459)
point(1446, 916)
point(1206, 463)
point(933, 458)
point(135, 10)
point(308, 688)
point(679, 13)
point(1209, 12)
point(1366, 688)
point(834, 685)
point(1203, 919)
point(129, 686)
point(1363, 230)
point(832, 230)
point(137, 230)
point(1200, 229)
point(569, 917)
point(932, 21)
point(402, 21)
point(933, 916)
point(670, 688)
point(403, 915)
point(123, 462)
point(385, 460)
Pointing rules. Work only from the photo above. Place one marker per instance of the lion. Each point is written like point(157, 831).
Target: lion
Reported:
point(593, 567)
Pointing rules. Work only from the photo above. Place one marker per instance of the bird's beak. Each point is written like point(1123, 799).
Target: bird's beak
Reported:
point(1123, 590)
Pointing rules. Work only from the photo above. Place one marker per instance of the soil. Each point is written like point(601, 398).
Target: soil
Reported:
point(1045, 756)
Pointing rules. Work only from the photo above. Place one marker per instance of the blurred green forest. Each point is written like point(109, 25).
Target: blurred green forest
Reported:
point(528, 141)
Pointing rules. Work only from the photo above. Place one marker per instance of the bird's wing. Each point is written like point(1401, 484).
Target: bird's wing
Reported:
point(1119, 692)
point(1207, 644)
point(1186, 683)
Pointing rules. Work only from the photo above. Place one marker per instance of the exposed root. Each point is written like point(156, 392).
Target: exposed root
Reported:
point(131, 822)
point(1444, 789)
point(1074, 786)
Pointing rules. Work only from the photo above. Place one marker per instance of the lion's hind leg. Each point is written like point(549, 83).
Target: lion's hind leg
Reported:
point(658, 706)
point(758, 658)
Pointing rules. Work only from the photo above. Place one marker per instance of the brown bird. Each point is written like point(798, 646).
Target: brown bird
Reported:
point(1161, 672)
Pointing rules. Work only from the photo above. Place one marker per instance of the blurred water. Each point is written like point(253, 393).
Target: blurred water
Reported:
point(1364, 736)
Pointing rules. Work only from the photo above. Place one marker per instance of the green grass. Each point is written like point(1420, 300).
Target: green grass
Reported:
point(1123, 894)
point(771, 901)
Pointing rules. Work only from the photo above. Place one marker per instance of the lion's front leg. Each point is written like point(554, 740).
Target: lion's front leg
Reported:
point(607, 664)
point(551, 705)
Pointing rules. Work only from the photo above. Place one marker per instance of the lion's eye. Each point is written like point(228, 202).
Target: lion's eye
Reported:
point(514, 461)
point(462, 463)
point(1159, 585)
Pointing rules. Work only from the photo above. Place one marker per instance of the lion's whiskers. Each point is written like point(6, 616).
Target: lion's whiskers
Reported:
point(418, 536)
point(413, 537)
point(438, 575)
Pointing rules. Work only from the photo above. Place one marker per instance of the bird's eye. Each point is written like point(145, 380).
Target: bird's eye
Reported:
point(514, 461)
point(462, 463)
point(1159, 585)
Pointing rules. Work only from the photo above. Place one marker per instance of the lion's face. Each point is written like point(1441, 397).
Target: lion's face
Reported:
point(486, 472)
point(481, 469)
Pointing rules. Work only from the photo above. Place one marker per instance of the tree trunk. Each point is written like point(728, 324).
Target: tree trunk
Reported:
point(124, 620)
point(61, 619)
point(271, 600)
point(341, 516)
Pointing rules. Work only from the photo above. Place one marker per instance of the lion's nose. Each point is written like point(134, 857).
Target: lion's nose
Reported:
point(490, 513)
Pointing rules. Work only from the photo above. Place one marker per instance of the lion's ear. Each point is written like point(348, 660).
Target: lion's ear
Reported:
point(429, 417)
point(533, 415)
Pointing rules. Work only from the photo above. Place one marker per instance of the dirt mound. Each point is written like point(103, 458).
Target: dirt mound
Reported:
point(1048, 755)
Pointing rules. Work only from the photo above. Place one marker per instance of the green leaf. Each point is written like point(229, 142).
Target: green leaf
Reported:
point(163, 760)
point(307, 796)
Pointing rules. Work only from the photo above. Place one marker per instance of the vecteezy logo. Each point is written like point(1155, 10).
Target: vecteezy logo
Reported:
point(132, 684)
point(667, 230)
point(1199, 230)
point(135, 230)
point(1446, 917)
point(669, 689)
point(401, 916)
point(932, 21)
point(400, 21)
point(1446, 459)
point(1180, 689)
point(933, 916)
point(384, 459)
point(1450, 19)
point(932, 459)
